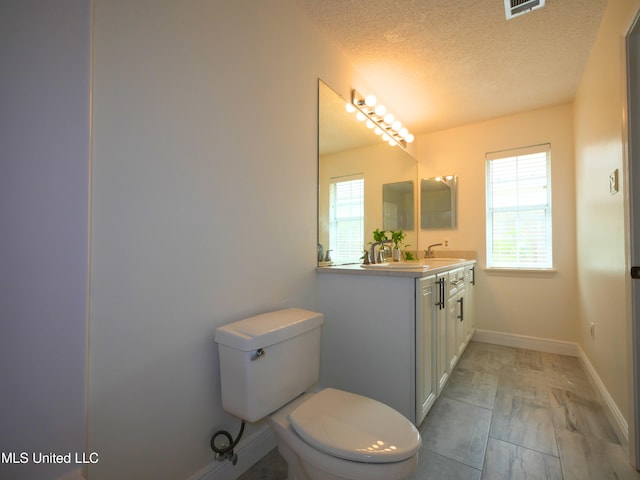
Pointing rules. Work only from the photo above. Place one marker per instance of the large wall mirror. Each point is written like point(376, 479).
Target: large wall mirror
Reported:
point(438, 198)
point(363, 184)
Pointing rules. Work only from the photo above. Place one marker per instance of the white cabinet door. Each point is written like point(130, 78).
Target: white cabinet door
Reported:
point(426, 311)
point(452, 324)
point(442, 363)
point(469, 302)
point(461, 307)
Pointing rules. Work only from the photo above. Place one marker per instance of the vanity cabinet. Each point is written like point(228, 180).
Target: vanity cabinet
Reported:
point(369, 336)
point(459, 319)
point(452, 330)
point(392, 336)
point(428, 309)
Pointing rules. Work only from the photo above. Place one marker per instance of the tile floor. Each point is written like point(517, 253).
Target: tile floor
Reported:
point(509, 413)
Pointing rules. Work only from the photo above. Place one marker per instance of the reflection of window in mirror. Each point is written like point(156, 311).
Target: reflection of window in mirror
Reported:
point(346, 218)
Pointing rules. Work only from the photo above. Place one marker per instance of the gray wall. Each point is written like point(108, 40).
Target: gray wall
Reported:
point(44, 192)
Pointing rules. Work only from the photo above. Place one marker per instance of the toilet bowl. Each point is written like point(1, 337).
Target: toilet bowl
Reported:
point(269, 362)
point(309, 459)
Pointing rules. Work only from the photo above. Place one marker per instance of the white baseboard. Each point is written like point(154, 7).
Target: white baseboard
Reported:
point(612, 411)
point(530, 343)
point(562, 348)
point(249, 451)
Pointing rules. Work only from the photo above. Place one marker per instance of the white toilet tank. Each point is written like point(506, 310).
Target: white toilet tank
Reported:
point(268, 360)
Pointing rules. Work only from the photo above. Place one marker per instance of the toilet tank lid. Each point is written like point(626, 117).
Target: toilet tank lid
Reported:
point(268, 328)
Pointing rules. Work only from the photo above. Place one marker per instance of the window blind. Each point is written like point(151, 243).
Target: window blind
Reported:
point(519, 208)
point(346, 219)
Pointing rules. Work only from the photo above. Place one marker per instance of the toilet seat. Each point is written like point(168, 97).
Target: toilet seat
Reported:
point(353, 427)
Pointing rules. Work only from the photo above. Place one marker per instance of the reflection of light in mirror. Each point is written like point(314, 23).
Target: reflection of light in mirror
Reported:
point(443, 179)
point(379, 117)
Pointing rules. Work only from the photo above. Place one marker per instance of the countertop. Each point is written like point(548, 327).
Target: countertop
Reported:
point(418, 272)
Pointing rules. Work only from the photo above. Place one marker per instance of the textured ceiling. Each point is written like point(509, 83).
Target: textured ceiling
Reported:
point(445, 63)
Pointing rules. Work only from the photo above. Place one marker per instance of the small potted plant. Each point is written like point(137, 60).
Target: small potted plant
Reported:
point(408, 256)
point(379, 235)
point(397, 236)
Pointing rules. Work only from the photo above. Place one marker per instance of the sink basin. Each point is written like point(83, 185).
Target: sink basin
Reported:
point(396, 265)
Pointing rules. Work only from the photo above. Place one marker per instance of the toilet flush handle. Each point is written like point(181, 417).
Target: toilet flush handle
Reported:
point(258, 354)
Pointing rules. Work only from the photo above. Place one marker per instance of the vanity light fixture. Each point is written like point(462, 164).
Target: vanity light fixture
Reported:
point(379, 119)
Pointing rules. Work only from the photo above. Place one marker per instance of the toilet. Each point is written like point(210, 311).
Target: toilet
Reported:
point(268, 364)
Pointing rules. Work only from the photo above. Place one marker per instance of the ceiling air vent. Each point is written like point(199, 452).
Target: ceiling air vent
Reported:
point(514, 8)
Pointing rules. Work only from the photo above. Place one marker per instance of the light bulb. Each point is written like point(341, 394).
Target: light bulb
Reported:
point(378, 131)
point(392, 142)
point(370, 101)
point(370, 124)
point(349, 108)
point(381, 110)
point(385, 137)
point(389, 118)
point(360, 116)
point(409, 138)
point(403, 132)
point(397, 125)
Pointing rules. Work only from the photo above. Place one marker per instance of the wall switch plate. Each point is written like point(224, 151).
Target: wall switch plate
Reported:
point(613, 182)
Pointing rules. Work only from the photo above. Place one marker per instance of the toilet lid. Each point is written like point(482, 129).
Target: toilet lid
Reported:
point(354, 427)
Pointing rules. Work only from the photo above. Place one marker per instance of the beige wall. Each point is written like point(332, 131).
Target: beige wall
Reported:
point(203, 211)
point(601, 231)
point(534, 306)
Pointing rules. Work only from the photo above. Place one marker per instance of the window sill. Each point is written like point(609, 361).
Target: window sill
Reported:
point(521, 272)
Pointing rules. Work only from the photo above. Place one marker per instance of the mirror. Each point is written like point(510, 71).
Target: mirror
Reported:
point(397, 206)
point(438, 202)
point(353, 166)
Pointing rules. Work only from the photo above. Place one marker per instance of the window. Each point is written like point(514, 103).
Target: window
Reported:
point(346, 218)
point(519, 208)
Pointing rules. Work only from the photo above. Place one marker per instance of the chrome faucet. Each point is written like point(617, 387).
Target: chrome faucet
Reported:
point(428, 253)
point(378, 258)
